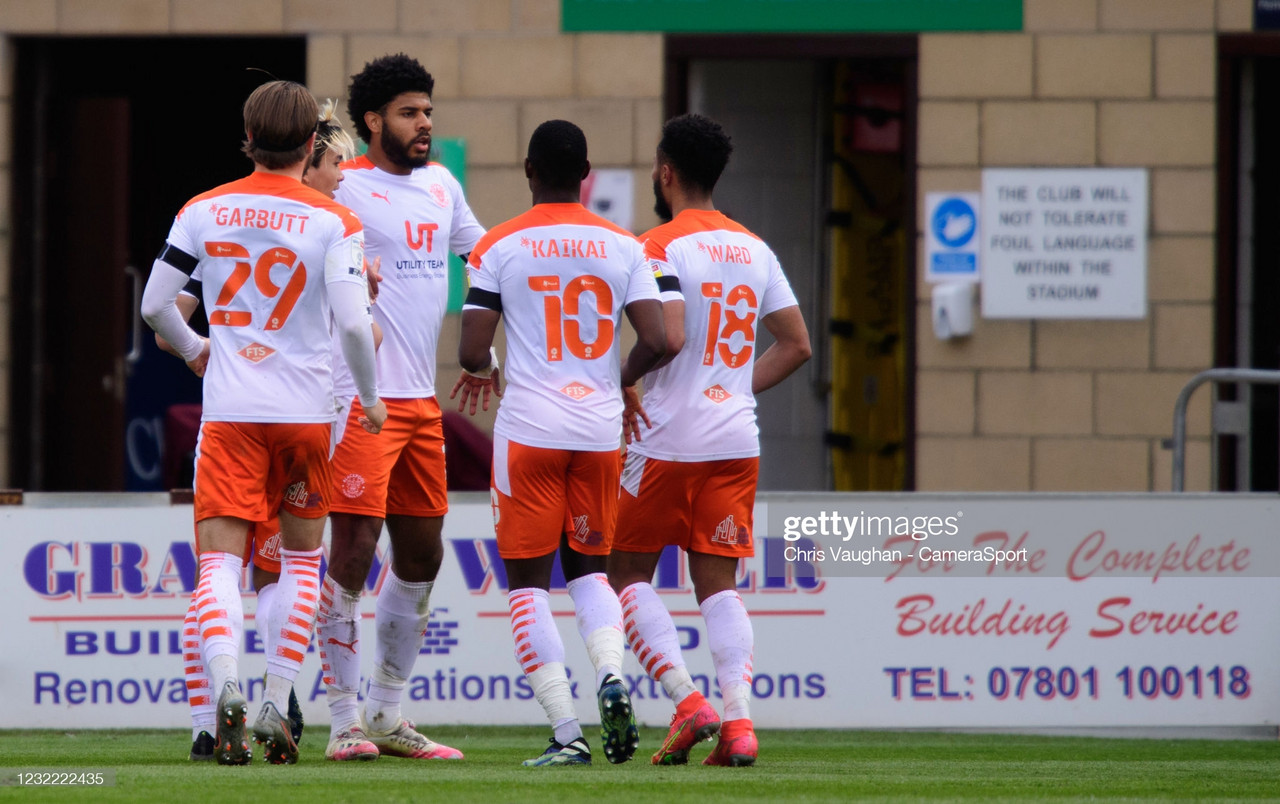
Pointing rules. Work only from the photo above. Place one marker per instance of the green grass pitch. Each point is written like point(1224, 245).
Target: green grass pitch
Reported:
point(794, 765)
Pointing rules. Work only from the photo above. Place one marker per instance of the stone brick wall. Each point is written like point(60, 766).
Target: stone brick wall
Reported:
point(1077, 405)
point(1045, 405)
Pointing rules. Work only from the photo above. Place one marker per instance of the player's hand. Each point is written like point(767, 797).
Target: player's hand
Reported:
point(632, 414)
point(374, 418)
point(201, 361)
point(476, 389)
point(373, 273)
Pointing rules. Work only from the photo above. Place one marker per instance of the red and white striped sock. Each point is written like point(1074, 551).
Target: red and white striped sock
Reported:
point(199, 699)
point(654, 640)
point(540, 652)
point(220, 617)
point(731, 639)
point(599, 617)
point(338, 632)
point(293, 620)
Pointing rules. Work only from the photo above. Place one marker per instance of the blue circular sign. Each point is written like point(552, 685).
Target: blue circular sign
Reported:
point(954, 223)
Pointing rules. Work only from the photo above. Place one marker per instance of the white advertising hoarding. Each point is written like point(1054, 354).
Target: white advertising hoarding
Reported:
point(1050, 611)
point(1064, 243)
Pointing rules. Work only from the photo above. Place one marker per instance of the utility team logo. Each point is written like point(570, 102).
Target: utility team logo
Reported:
point(352, 486)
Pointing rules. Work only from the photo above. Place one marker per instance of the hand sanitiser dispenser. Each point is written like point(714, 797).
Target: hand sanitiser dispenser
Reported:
point(953, 310)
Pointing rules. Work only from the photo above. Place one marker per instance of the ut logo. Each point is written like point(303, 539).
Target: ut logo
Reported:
point(721, 340)
point(425, 234)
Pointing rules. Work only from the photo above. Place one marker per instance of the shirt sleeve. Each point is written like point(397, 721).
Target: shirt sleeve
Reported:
point(483, 280)
point(665, 272)
point(642, 283)
point(348, 292)
point(777, 293)
point(175, 266)
point(466, 231)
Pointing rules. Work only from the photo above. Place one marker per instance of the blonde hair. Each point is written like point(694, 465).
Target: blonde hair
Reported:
point(331, 136)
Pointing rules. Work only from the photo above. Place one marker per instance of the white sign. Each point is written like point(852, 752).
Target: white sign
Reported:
point(609, 192)
point(952, 237)
point(1097, 610)
point(1069, 243)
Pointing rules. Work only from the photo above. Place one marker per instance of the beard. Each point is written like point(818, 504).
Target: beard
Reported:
point(398, 151)
point(660, 205)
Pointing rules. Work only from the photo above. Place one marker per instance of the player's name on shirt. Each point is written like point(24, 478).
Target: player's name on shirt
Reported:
point(259, 218)
point(565, 247)
point(725, 253)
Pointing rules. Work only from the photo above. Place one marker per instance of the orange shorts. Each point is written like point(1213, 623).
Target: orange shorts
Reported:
point(262, 544)
point(539, 494)
point(252, 470)
point(704, 506)
point(397, 471)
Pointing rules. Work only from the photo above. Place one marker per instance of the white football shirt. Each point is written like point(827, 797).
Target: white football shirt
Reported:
point(563, 276)
point(412, 222)
point(264, 248)
point(701, 403)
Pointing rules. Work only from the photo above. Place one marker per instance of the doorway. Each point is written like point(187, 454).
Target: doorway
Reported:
point(116, 135)
point(822, 169)
point(1245, 448)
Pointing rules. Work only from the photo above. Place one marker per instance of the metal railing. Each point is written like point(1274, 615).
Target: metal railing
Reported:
point(1217, 375)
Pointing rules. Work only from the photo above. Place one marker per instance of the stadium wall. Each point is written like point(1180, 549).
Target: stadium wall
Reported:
point(1039, 405)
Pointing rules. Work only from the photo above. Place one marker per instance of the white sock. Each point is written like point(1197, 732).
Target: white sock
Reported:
point(401, 616)
point(599, 617)
point(292, 623)
point(654, 640)
point(199, 698)
point(262, 614)
point(550, 686)
point(221, 617)
point(731, 640)
point(338, 632)
point(540, 652)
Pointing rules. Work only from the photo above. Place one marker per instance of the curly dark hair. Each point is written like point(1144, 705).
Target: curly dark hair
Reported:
point(379, 82)
point(697, 147)
point(558, 154)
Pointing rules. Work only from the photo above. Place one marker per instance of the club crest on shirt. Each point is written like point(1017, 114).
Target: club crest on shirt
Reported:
point(438, 194)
